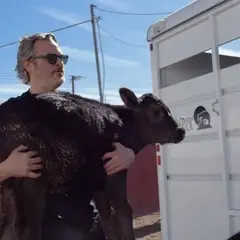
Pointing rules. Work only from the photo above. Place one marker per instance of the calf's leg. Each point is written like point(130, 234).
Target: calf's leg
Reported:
point(117, 192)
point(9, 229)
point(58, 229)
point(107, 217)
point(33, 195)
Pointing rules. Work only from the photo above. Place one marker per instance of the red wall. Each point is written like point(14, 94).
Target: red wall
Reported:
point(142, 182)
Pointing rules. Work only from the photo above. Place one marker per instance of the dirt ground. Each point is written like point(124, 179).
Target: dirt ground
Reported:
point(147, 227)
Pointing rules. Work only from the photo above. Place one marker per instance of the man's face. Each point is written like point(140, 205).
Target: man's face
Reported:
point(44, 72)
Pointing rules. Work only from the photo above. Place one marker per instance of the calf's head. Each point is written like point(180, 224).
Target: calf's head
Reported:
point(152, 118)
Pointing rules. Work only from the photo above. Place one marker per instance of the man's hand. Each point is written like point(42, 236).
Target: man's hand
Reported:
point(22, 164)
point(121, 158)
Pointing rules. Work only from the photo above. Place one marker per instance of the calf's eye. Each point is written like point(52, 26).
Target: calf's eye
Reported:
point(156, 115)
point(156, 112)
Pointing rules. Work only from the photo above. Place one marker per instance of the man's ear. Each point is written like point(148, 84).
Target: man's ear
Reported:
point(26, 64)
point(128, 97)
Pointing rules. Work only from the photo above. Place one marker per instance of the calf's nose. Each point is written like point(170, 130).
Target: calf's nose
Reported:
point(181, 133)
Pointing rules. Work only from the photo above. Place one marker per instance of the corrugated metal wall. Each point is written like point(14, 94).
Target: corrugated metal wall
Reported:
point(142, 182)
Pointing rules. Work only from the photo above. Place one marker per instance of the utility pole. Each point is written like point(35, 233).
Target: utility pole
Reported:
point(96, 51)
point(73, 78)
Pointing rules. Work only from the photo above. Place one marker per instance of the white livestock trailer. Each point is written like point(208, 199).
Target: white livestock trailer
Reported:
point(197, 74)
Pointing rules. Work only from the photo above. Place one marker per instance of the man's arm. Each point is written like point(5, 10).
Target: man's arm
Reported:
point(20, 164)
point(121, 158)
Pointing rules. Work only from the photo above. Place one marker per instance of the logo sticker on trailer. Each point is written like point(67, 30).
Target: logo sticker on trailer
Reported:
point(201, 118)
point(186, 123)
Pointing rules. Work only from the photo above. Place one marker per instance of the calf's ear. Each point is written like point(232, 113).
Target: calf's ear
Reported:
point(128, 97)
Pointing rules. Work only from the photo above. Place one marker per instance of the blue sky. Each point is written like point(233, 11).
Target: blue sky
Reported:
point(125, 65)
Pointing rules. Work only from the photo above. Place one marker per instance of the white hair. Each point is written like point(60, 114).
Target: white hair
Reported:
point(26, 50)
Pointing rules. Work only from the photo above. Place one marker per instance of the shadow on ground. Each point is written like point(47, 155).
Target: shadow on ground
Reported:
point(146, 230)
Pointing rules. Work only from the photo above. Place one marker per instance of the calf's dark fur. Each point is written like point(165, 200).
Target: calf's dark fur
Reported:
point(236, 236)
point(70, 132)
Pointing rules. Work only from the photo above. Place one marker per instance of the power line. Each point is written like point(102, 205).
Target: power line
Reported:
point(121, 40)
point(5, 73)
point(8, 44)
point(53, 31)
point(131, 13)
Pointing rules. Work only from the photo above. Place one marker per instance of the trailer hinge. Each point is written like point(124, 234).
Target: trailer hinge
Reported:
point(151, 47)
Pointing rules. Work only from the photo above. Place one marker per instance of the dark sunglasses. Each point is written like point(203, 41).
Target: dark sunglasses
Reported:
point(52, 58)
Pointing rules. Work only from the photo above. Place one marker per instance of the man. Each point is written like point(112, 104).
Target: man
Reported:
point(40, 64)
